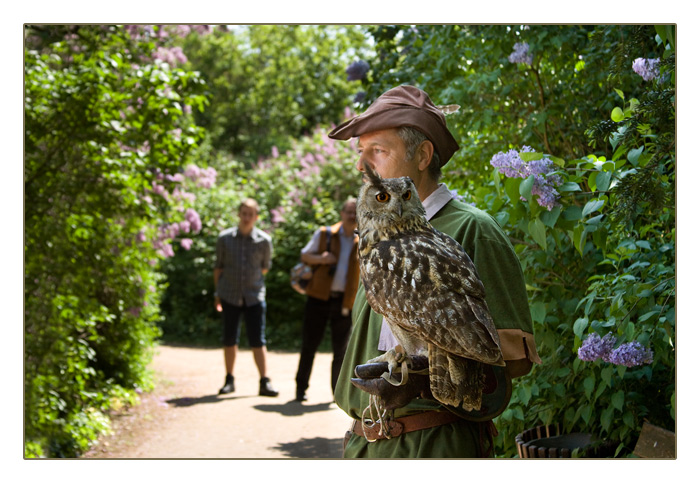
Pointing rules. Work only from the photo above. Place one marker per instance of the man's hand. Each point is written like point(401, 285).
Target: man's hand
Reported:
point(327, 258)
point(369, 379)
point(217, 304)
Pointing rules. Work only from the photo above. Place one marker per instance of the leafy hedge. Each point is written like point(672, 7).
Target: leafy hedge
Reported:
point(104, 125)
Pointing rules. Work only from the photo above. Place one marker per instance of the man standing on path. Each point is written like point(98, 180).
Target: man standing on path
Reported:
point(243, 257)
point(330, 293)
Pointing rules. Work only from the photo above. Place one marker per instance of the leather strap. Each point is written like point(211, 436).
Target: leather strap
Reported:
point(406, 424)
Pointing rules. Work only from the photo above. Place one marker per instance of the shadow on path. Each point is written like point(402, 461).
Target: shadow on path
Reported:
point(312, 448)
point(294, 408)
point(181, 402)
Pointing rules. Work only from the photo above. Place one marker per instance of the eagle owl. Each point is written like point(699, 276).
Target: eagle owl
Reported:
point(427, 288)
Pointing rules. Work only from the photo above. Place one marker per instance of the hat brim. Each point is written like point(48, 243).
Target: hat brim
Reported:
point(395, 117)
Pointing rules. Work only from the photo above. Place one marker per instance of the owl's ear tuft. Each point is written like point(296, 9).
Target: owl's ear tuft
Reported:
point(372, 175)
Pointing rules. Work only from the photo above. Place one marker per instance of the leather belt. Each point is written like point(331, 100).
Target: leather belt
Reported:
point(406, 424)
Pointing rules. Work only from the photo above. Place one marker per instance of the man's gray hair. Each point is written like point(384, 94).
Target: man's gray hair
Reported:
point(412, 138)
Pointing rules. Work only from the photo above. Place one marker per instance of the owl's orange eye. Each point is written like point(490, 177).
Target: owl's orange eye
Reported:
point(407, 195)
point(383, 197)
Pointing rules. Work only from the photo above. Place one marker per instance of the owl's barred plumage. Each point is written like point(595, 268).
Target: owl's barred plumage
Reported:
point(427, 288)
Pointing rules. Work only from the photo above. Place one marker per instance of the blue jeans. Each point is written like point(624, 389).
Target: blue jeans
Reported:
point(254, 316)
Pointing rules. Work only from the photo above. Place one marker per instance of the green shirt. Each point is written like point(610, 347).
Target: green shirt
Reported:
point(500, 271)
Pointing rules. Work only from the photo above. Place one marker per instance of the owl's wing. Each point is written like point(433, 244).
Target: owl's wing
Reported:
point(428, 286)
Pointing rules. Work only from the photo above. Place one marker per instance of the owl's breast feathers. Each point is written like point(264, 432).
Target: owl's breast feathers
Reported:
point(423, 282)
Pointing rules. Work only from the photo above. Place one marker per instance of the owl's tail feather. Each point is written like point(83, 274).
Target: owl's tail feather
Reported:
point(454, 380)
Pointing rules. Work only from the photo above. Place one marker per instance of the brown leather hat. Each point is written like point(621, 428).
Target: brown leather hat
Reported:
point(402, 106)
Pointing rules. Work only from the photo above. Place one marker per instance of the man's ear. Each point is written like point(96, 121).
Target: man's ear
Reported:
point(424, 154)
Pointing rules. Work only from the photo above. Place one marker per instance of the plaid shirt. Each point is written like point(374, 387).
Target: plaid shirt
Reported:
point(242, 260)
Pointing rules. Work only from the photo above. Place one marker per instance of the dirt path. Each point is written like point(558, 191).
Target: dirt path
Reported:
point(185, 418)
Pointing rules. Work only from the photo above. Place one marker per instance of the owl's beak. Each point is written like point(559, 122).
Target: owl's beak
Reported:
point(400, 209)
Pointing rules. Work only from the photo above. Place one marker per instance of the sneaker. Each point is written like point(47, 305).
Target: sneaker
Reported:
point(228, 385)
point(266, 388)
point(301, 397)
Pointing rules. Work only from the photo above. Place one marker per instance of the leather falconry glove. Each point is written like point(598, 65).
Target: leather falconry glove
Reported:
point(371, 378)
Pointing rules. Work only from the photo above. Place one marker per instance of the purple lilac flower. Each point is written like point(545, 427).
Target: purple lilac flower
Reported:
point(509, 164)
point(594, 347)
point(520, 54)
point(357, 70)
point(172, 56)
point(631, 354)
point(647, 68)
point(160, 190)
point(195, 222)
point(207, 178)
point(456, 196)
point(192, 172)
point(186, 243)
point(277, 215)
point(544, 186)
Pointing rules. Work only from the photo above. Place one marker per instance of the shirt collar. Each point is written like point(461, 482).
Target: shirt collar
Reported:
point(254, 234)
point(436, 200)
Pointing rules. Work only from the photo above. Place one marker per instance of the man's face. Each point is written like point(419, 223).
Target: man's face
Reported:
point(247, 217)
point(348, 214)
point(385, 152)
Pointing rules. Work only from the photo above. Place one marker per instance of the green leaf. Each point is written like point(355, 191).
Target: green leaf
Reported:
point(512, 186)
point(527, 157)
point(620, 93)
point(606, 418)
point(618, 399)
point(603, 180)
point(586, 413)
point(579, 238)
point(549, 218)
point(538, 312)
point(579, 326)
point(592, 181)
point(661, 32)
point(497, 181)
point(538, 232)
point(617, 114)
point(569, 186)
point(526, 187)
point(606, 375)
point(592, 206)
point(633, 155)
point(558, 161)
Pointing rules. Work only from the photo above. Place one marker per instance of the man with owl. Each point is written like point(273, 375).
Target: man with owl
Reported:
point(403, 134)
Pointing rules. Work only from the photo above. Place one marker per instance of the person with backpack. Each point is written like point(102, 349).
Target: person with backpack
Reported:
point(330, 293)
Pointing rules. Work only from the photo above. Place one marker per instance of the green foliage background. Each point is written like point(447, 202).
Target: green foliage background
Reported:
point(105, 118)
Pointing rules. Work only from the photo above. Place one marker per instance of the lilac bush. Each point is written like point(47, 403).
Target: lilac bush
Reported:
point(357, 70)
point(647, 68)
point(628, 354)
point(631, 354)
point(181, 201)
point(595, 347)
point(545, 182)
point(520, 54)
